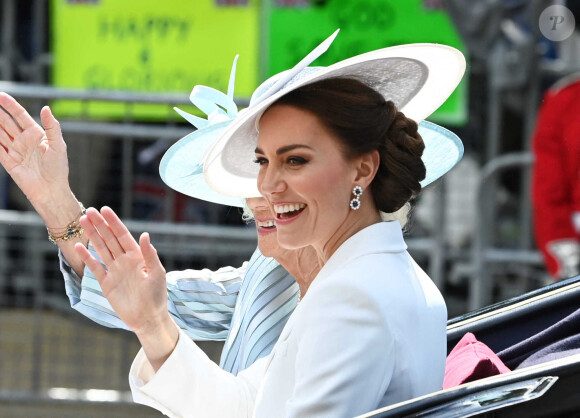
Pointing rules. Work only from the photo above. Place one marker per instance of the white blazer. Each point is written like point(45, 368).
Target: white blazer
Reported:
point(370, 332)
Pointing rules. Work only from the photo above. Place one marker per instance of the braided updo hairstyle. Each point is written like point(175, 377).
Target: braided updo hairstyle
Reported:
point(364, 121)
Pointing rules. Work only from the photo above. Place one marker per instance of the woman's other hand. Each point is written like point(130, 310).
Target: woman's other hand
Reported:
point(133, 282)
point(34, 157)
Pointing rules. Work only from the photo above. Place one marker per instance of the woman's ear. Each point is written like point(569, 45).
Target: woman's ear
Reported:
point(367, 166)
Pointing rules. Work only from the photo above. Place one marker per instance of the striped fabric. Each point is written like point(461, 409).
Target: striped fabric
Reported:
point(268, 296)
point(254, 301)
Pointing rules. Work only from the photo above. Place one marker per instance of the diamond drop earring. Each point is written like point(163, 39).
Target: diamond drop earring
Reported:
point(357, 192)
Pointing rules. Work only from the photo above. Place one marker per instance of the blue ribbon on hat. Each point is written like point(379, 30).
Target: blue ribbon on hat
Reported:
point(218, 107)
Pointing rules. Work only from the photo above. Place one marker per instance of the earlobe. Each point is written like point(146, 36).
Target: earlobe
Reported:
point(367, 167)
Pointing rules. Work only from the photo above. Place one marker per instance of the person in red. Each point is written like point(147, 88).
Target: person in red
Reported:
point(556, 179)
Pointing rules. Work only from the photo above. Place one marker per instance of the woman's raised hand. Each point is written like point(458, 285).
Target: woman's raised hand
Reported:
point(36, 160)
point(34, 157)
point(133, 282)
point(134, 278)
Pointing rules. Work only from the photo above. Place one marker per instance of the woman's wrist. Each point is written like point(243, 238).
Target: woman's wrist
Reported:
point(58, 208)
point(158, 340)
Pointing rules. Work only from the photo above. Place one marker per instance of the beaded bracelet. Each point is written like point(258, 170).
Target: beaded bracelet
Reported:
point(73, 230)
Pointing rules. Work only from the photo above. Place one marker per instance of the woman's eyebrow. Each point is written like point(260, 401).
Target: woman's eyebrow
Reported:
point(284, 149)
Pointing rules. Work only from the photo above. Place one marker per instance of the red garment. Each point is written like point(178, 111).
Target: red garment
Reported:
point(556, 175)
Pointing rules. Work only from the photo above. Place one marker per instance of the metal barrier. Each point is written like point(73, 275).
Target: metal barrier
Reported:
point(483, 253)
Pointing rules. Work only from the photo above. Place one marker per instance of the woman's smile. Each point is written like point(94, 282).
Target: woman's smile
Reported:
point(287, 213)
point(265, 226)
point(285, 210)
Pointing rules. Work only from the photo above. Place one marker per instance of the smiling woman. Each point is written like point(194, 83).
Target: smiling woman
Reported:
point(320, 148)
point(333, 152)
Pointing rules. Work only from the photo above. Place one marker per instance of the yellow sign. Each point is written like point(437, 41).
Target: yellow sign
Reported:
point(151, 46)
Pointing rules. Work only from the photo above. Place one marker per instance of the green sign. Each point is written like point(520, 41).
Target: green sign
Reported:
point(365, 25)
point(151, 46)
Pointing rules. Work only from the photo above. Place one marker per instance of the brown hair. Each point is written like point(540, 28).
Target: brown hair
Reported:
point(365, 121)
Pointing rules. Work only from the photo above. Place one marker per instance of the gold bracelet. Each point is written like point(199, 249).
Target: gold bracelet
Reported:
point(73, 230)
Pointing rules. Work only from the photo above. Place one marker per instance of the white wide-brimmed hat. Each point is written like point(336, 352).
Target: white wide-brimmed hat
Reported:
point(418, 78)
